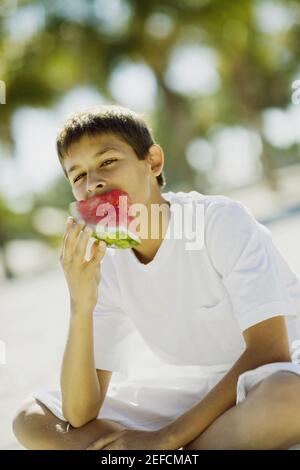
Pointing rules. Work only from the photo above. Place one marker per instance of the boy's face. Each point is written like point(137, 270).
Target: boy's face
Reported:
point(105, 162)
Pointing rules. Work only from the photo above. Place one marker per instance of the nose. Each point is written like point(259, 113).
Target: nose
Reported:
point(94, 184)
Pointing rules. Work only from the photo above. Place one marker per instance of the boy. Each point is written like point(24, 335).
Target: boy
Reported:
point(198, 337)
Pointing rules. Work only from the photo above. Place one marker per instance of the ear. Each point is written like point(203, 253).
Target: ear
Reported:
point(156, 159)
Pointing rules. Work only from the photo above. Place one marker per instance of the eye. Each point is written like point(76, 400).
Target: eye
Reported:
point(77, 177)
point(107, 161)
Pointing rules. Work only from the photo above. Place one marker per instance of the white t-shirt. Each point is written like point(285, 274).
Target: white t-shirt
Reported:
point(181, 316)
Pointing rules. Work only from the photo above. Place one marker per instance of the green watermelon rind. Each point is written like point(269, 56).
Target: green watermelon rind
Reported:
point(120, 238)
point(114, 242)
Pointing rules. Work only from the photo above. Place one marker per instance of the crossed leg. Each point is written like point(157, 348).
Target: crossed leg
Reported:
point(268, 418)
point(37, 428)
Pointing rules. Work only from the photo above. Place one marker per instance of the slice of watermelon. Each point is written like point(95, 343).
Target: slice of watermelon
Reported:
point(108, 216)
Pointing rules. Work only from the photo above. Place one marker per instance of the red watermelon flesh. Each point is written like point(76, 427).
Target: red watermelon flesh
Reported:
point(108, 216)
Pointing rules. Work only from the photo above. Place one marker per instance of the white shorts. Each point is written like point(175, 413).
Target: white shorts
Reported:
point(138, 409)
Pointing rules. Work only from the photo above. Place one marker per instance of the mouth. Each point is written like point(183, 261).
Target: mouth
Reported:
point(115, 230)
point(102, 193)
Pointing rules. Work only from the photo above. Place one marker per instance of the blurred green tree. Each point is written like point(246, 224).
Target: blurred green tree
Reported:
point(74, 46)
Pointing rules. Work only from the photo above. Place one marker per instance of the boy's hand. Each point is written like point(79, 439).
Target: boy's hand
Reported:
point(82, 276)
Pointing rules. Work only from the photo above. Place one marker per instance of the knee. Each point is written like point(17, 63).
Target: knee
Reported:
point(26, 421)
point(282, 389)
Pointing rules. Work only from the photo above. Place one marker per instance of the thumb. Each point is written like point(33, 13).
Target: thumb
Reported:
point(104, 440)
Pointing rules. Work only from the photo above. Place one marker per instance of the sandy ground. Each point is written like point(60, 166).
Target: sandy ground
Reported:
point(34, 322)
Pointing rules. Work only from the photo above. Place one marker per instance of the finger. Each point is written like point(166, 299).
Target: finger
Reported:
point(103, 441)
point(81, 245)
point(69, 223)
point(71, 238)
point(98, 251)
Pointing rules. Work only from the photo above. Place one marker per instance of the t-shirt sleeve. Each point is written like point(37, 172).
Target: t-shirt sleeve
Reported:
point(113, 329)
point(244, 254)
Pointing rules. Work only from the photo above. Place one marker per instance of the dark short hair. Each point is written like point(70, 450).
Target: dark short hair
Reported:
point(126, 124)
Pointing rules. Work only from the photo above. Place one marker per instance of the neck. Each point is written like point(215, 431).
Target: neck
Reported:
point(146, 251)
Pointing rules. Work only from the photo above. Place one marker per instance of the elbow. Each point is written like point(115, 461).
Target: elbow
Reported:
point(77, 421)
point(283, 358)
point(263, 357)
point(77, 418)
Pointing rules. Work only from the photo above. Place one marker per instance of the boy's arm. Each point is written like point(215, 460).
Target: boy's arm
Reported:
point(80, 387)
point(266, 342)
point(81, 394)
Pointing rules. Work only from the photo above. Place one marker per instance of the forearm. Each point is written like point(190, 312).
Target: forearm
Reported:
point(220, 398)
point(81, 394)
